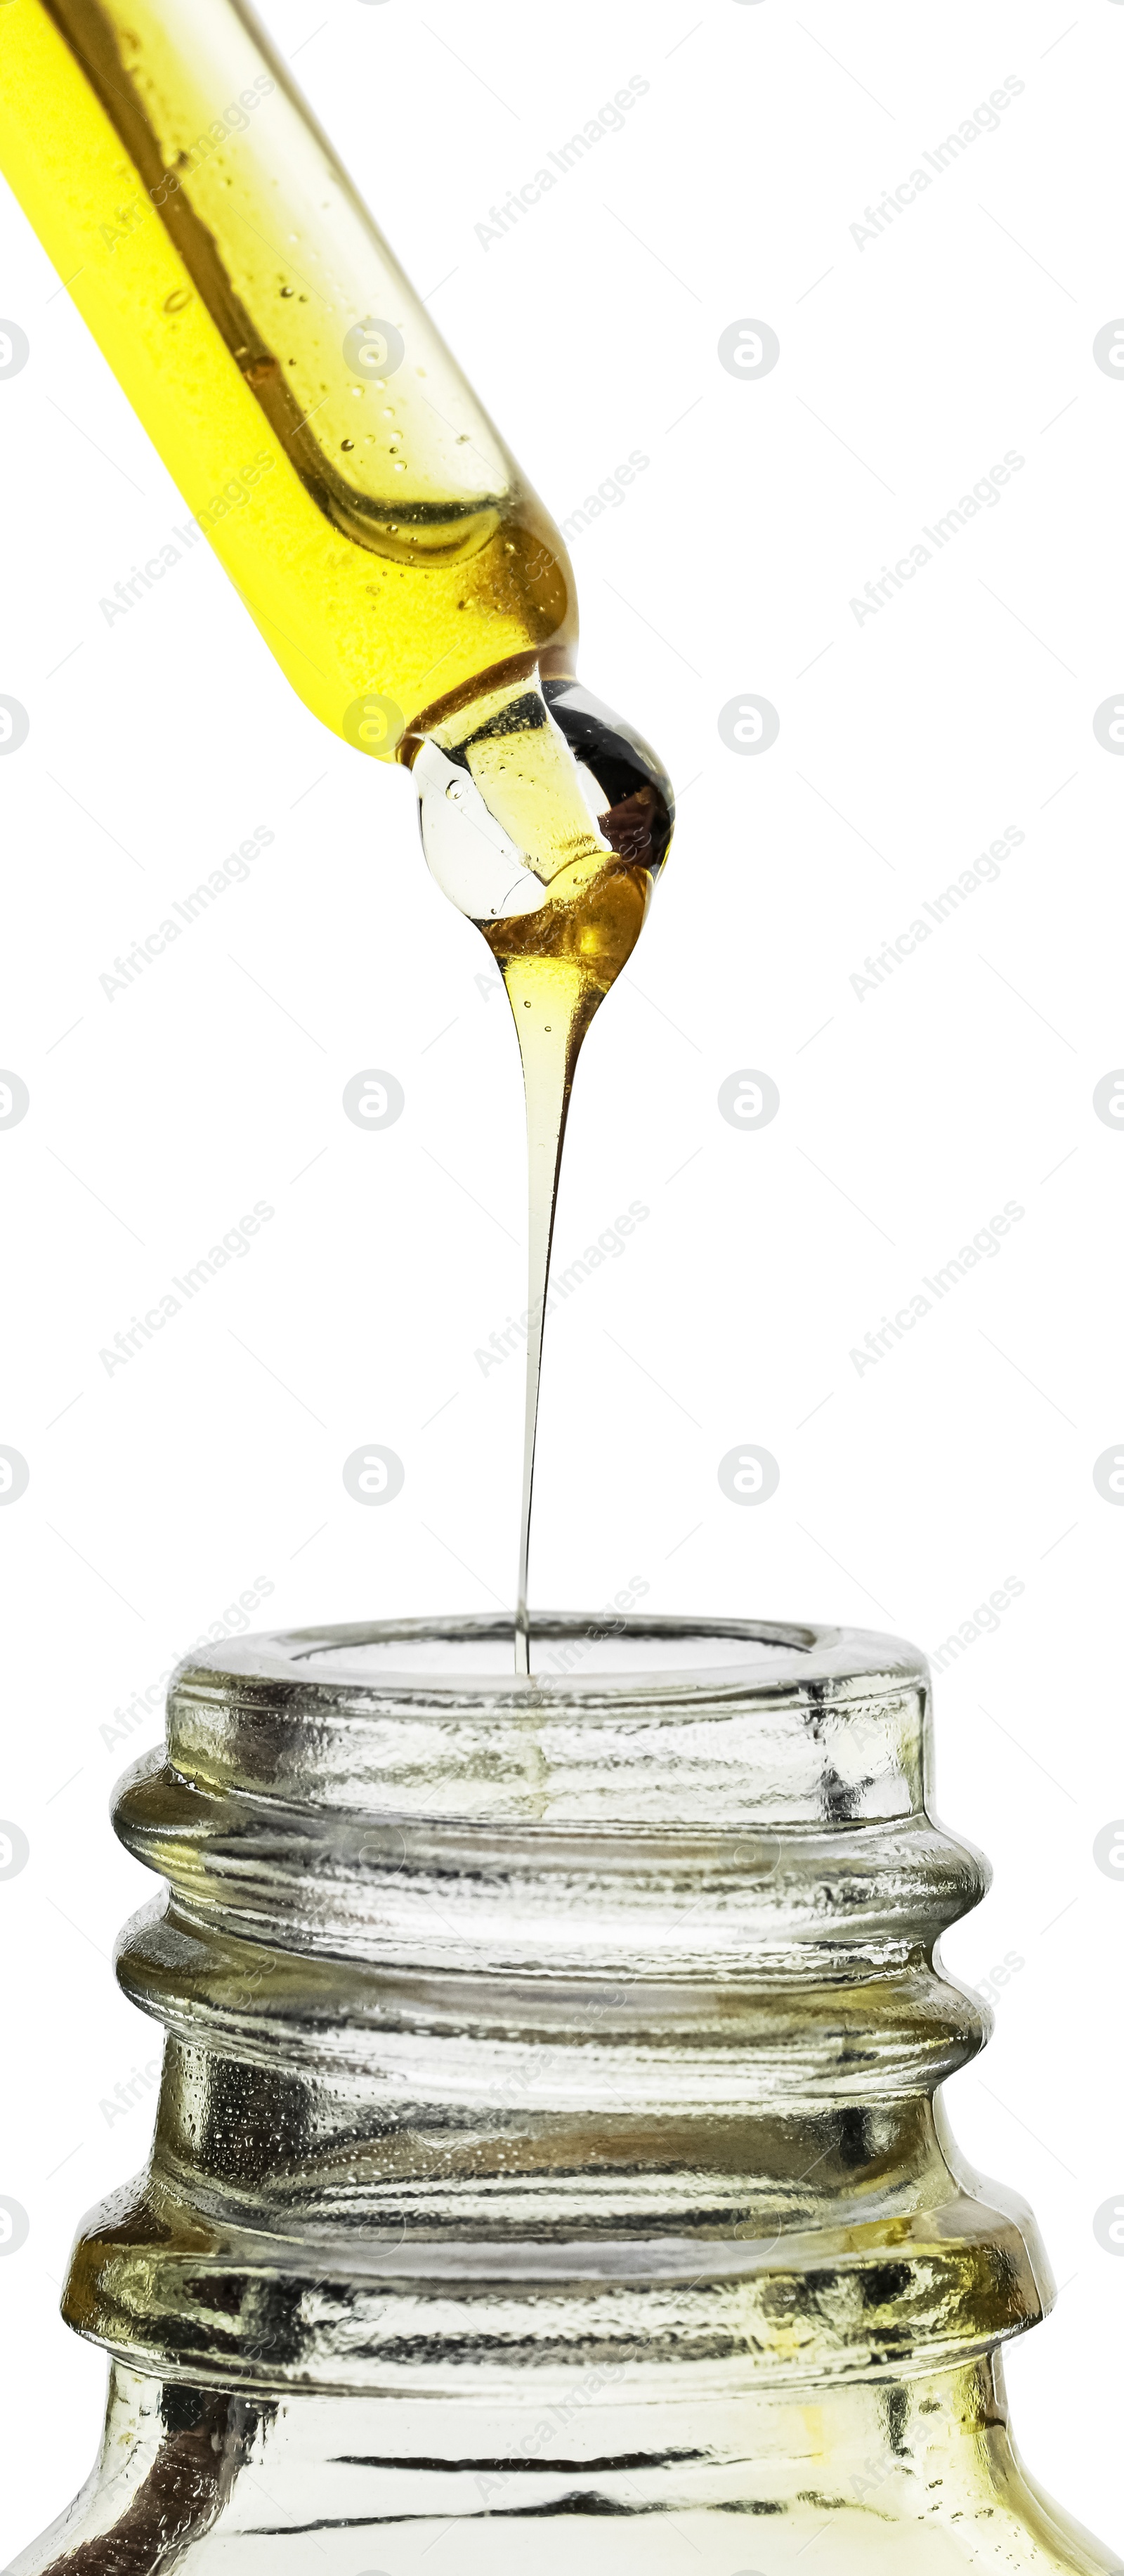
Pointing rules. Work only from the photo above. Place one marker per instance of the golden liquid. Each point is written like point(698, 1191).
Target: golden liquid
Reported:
point(554, 989)
point(376, 526)
point(558, 961)
point(394, 559)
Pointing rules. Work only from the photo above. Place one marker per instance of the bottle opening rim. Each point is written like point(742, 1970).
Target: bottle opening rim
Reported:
point(576, 1656)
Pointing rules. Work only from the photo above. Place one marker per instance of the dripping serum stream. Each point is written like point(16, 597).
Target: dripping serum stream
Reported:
point(546, 820)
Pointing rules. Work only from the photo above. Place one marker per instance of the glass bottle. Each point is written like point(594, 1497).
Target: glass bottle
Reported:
point(550, 2130)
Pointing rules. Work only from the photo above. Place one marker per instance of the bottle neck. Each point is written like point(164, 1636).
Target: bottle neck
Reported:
point(448, 2095)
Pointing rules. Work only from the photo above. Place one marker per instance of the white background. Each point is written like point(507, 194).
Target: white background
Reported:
point(908, 1493)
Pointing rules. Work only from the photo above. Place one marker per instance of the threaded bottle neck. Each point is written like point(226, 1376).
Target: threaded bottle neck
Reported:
point(592, 2018)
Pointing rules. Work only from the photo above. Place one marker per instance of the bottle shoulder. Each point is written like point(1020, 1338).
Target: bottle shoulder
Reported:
point(896, 2477)
point(1024, 2535)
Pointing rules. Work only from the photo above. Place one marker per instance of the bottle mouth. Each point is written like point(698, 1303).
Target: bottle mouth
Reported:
point(602, 1653)
point(600, 1647)
point(623, 1719)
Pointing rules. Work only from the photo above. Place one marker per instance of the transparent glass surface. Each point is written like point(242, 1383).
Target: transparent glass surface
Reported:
point(607, 1647)
point(323, 436)
point(395, 559)
point(550, 2127)
point(902, 2476)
